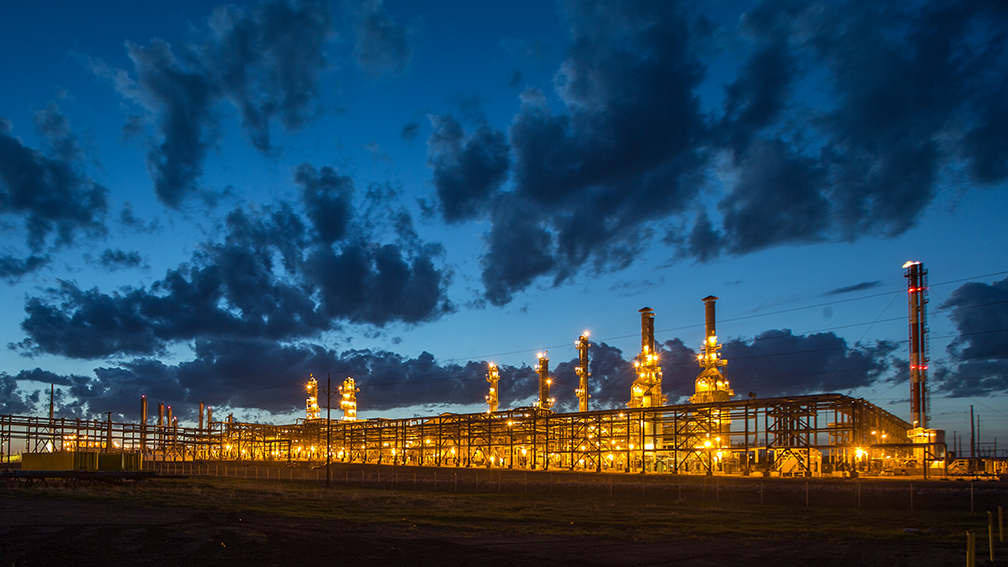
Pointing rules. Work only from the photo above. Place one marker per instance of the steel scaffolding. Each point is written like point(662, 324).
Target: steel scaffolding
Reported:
point(790, 436)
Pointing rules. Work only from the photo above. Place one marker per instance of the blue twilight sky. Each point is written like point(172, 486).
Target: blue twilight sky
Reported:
point(209, 203)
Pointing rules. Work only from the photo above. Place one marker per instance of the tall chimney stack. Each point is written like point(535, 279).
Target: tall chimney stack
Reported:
point(709, 309)
point(647, 330)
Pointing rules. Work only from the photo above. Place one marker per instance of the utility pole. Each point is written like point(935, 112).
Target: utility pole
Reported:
point(328, 431)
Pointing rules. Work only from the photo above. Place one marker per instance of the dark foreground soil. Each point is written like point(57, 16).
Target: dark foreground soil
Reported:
point(238, 522)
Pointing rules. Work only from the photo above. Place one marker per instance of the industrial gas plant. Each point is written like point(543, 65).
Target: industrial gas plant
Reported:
point(716, 433)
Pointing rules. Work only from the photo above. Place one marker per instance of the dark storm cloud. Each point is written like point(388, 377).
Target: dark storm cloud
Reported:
point(902, 82)
point(856, 287)
point(378, 284)
point(262, 374)
point(47, 190)
point(271, 276)
point(704, 242)
point(757, 98)
point(383, 47)
point(183, 99)
point(14, 401)
point(778, 363)
point(776, 200)
point(618, 156)
point(266, 62)
point(623, 152)
point(266, 375)
point(979, 355)
point(468, 170)
point(12, 268)
point(839, 123)
point(520, 250)
point(327, 200)
point(119, 259)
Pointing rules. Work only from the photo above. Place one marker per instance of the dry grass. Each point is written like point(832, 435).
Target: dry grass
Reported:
point(517, 514)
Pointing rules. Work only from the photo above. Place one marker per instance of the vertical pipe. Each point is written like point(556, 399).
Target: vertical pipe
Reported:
point(709, 316)
point(582, 372)
point(200, 425)
point(647, 330)
point(328, 471)
point(143, 429)
point(972, 441)
point(545, 401)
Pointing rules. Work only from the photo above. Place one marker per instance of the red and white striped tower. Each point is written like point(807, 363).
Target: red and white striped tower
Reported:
point(917, 298)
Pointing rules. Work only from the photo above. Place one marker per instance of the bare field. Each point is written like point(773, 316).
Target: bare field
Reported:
point(234, 521)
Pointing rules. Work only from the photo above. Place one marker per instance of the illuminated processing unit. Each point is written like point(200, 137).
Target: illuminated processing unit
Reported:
point(493, 376)
point(582, 372)
point(311, 404)
point(545, 402)
point(709, 433)
point(646, 391)
point(348, 399)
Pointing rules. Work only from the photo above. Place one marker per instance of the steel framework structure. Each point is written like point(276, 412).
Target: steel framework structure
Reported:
point(796, 435)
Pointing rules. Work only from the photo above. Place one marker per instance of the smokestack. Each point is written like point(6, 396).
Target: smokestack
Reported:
point(709, 308)
point(200, 416)
point(209, 418)
point(143, 410)
point(917, 298)
point(160, 414)
point(647, 330)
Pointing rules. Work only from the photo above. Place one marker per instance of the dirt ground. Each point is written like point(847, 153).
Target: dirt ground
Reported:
point(238, 522)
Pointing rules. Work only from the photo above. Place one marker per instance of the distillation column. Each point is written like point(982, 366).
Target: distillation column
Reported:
point(714, 428)
point(646, 391)
point(143, 426)
point(582, 372)
point(312, 410)
point(493, 375)
point(348, 399)
point(711, 385)
point(545, 401)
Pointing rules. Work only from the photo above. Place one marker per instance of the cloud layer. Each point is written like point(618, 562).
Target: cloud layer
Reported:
point(47, 190)
point(274, 275)
point(842, 120)
point(267, 375)
point(978, 357)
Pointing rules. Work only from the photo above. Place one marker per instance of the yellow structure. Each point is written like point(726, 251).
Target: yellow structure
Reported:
point(545, 401)
point(348, 401)
point(311, 404)
point(646, 391)
point(582, 372)
point(711, 384)
point(493, 375)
